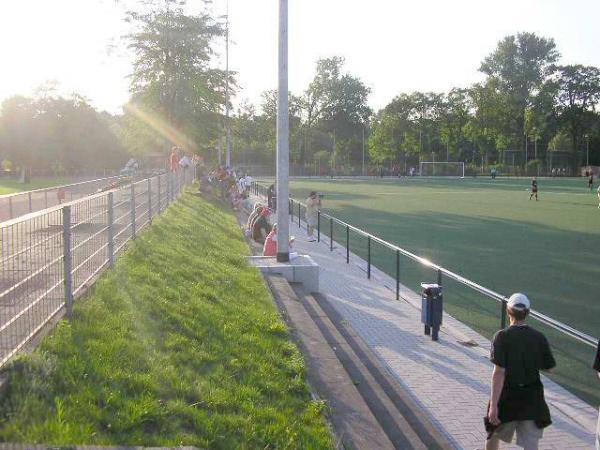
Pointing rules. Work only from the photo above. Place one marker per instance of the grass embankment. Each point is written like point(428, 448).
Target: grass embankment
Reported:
point(180, 344)
point(11, 186)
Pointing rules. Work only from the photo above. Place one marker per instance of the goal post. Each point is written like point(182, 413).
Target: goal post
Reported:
point(442, 169)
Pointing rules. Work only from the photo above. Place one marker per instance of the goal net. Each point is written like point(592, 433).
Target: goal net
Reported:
point(442, 169)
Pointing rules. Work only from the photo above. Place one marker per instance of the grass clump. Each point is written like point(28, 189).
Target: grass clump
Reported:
point(179, 344)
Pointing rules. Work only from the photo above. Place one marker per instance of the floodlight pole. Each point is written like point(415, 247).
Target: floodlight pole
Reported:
point(283, 139)
point(587, 158)
point(227, 124)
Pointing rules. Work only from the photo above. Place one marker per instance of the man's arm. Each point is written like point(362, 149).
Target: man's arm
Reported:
point(497, 384)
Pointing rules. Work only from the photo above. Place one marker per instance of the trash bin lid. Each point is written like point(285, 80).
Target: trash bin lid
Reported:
point(429, 285)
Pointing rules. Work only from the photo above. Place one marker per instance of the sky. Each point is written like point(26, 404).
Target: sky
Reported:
point(393, 46)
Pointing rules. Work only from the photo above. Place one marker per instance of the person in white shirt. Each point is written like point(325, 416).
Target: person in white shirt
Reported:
point(248, 182)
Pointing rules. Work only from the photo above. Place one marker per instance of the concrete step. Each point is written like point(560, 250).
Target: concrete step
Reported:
point(401, 419)
point(353, 421)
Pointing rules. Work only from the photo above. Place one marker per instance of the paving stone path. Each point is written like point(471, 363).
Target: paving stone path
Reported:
point(449, 380)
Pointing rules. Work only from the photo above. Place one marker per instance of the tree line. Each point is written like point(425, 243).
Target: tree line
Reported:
point(528, 112)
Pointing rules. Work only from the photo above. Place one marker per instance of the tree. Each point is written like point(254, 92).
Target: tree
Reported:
point(578, 92)
point(516, 72)
point(334, 103)
point(175, 92)
point(54, 134)
point(409, 126)
point(455, 115)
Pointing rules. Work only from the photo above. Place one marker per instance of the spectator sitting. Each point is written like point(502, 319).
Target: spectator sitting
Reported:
point(261, 227)
point(255, 212)
point(270, 247)
point(246, 202)
point(205, 185)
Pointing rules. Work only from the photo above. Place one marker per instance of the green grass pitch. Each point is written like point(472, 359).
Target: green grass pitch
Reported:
point(489, 232)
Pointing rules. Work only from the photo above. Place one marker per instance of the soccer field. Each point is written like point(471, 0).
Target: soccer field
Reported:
point(489, 232)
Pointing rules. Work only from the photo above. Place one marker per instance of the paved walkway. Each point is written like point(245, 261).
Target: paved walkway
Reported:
point(449, 380)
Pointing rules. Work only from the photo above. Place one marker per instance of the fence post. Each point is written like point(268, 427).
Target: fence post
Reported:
point(369, 257)
point(111, 230)
point(318, 226)
point(132, 211)
point(67, 261)
point(503, 317)
point(439, 277)
point(167, 190)
point(330, 234)
point(158, 193)
point(397, 274)
point(347, 244)
point(30, 206)
point(46, 199)
point(149, 201)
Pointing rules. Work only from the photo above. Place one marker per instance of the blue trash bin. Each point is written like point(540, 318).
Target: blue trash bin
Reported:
point(432, 309)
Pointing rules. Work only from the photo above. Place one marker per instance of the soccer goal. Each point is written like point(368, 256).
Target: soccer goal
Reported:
point(442, 169)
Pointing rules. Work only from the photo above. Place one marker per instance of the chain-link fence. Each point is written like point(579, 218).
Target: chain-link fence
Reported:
point(49, 258)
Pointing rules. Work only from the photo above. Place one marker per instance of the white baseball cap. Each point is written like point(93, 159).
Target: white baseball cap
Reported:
point(519, 301)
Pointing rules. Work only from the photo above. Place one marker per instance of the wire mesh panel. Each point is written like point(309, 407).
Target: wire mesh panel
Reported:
point(89, 241)
point(52, 256)
point(31, 275)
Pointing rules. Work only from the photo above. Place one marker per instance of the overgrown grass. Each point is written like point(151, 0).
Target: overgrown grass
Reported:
point(180, 344)
point(11, 186)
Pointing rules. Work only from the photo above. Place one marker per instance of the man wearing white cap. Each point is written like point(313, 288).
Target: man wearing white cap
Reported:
point(517, 401)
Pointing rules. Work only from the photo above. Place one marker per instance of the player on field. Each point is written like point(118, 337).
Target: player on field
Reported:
point(534, 189)
point(598, 191)
point(591, 181)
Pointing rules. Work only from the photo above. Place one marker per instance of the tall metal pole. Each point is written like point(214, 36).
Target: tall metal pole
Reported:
point(587, 159)
point(333, 156)
point(363, 149)
point(283, 139)
point(526, 139)
point(227, 124)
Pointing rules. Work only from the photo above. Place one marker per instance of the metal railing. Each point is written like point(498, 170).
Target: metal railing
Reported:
point(21, 203)
point(48, 258)
point(296, 211)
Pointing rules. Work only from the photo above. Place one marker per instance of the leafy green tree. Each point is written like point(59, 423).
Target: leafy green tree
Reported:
point(176, 94)
point(578, 94)
point(335, 102)
point(455, 114)
point(516, 72)
point(54, 134)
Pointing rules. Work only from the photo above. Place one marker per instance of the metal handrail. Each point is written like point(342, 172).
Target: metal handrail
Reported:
point(553, 323)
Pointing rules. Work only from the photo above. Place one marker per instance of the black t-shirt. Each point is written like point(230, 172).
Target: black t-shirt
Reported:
point(534, 185)
point(522, 352)
point(597, 360)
